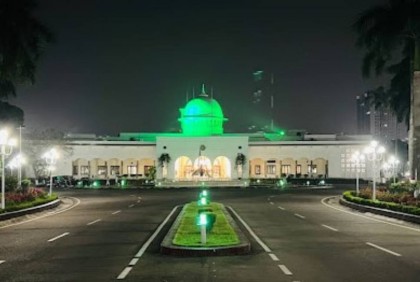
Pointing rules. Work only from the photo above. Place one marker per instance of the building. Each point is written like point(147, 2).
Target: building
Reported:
point(381, 123)
point(263, 98)
point(203, 152)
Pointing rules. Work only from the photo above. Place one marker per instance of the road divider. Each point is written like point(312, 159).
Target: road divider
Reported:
point(274, 257)
point(143, 248)
point(259, 241)
point(93, 222)
point(300, 216)
point(383, 249)
point(285, 270)
point(330, 228)
point(59, 236)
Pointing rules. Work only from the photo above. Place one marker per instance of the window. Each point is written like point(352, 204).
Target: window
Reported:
point(115, 170)
point(285, 169)
point(271, 169)
point(298, 169)
point(147, 170)
point(132, 169)
point(257, 169)
point(75, 170)
point(84, 170)
point(102, 170)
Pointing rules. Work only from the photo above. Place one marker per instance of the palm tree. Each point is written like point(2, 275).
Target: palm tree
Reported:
point(22, 41)
point(388, 31)
point(240, 161)
point(164, 160)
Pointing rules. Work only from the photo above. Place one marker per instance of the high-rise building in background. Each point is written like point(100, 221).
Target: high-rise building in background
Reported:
point(381, 123)
point(263, 102)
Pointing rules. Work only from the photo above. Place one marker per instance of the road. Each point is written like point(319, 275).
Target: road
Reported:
point(299, 235)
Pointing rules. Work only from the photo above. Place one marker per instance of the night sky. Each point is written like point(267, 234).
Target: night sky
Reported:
point(126, 66)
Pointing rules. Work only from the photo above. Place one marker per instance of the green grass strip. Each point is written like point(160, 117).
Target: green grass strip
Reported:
point(36, 202)
point(188, 233)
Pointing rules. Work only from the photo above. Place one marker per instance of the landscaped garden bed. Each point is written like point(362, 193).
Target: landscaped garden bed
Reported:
point(399, 197)
point(221, 233)
point(18, 200)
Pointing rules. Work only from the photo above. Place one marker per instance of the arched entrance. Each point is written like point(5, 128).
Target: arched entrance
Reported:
point(221, 168)
point(202, 168)
point(183, 168)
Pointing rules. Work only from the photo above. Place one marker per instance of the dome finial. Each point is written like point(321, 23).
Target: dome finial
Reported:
point(203, 91)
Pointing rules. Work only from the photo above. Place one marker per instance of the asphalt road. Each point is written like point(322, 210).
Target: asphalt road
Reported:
point(299, 235)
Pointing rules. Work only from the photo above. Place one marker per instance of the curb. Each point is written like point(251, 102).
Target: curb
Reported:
point(394, 214)
point(46, 206)
point(167, 248)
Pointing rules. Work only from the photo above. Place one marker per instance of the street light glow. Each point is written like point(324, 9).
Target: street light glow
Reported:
point(6, 148)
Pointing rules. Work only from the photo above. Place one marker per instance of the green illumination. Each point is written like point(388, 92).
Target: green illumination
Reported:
point(202, 201)
point(202, 219)
point(202, 116)
point(123, 182)
point(95, 184)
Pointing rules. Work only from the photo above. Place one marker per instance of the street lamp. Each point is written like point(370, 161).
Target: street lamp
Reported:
point(16, 162)
point(393, 162)
point(357, 158)
point(374, 153)
point(20, 157)
point(6, 148)
point(51, 158)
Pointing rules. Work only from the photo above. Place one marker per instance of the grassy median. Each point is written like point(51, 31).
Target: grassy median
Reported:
point(188, 233)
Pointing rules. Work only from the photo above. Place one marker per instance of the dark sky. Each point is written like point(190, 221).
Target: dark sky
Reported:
point(119, 66)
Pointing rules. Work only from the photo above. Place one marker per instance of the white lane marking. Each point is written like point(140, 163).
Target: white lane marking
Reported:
point(2, 261)
point(383, 249)
point(274, 257)
point(124, 273)
point(367, 217)
point(58, 237)
point(138, 201)
point(93, 222)
point(132, 195)
point(300, 216)
point(115, 212)
point(133, 261)
point(42, 216)
point(285, 269)
point(281, 208)
point(271, 203)
point(143, 248)
point(259, 241)
point(329, 227)
point(148, 242)
point(130, 206)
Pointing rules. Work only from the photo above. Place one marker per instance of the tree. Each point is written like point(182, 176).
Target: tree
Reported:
point(37, 143)
point(22, 41)
point(10, 114)
point(390, 33)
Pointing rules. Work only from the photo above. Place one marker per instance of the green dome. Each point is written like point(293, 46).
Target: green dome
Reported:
point(203, 106)
point(202, 116)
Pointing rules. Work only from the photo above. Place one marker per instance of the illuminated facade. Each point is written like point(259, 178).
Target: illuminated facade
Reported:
point(203, 152)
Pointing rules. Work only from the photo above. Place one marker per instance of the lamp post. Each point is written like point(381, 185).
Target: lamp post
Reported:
point(374, 153)
point(393, 162)
point(51, 158)
point(6, 148)
point(357, 158)
point(20, 157)
point(16, 162)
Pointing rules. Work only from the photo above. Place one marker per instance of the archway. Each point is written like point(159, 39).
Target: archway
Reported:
point(202, 168)
point(222, 168)
point(183, 168)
